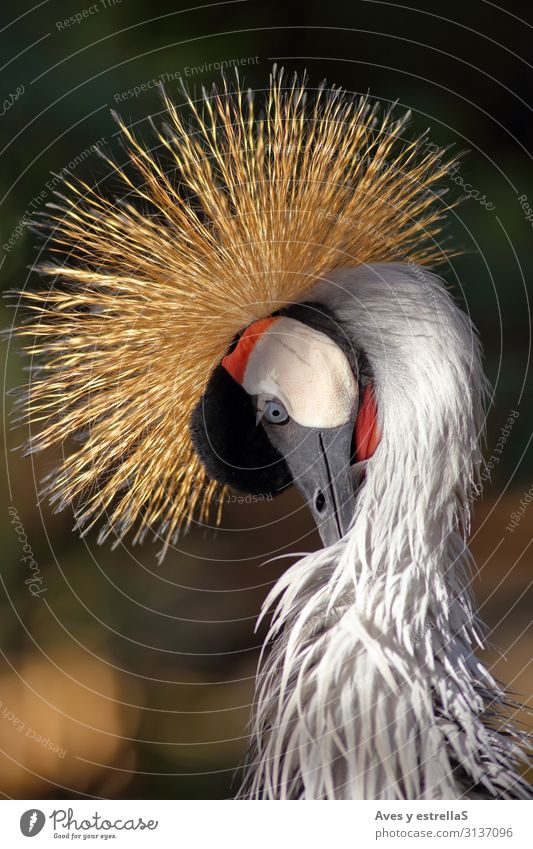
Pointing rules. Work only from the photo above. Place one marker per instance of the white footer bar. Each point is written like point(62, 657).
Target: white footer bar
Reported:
point(267, 825)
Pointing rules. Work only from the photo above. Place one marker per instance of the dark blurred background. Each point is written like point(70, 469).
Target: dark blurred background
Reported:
point(129, 678)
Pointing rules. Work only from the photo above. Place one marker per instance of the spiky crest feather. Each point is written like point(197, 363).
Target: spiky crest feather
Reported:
point(251, 208)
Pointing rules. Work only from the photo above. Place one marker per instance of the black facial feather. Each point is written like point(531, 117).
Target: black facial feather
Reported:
point(232, 448)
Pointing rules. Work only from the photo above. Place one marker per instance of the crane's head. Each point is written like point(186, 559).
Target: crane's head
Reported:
point(261, 202)
point(290, 404)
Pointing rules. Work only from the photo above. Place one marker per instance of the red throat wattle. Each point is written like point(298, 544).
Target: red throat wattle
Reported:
point(367, 433)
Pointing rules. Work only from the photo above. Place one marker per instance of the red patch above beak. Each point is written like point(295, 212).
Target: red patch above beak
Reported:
point(367, 433)
point(236, 362)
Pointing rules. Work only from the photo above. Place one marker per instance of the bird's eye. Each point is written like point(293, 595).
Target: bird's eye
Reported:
point(275, 413)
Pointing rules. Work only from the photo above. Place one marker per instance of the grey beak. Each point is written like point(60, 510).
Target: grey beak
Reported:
point(319, 461)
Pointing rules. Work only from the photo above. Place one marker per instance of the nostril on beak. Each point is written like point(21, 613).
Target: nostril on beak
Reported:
point(320, 501)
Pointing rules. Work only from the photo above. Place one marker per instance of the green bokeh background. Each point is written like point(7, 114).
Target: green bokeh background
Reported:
point(179, 637)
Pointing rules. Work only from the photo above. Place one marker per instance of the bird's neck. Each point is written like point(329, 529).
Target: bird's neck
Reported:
point(369, 687)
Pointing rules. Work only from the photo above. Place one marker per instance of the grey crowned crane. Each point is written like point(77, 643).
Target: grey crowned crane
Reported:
point(255, 312)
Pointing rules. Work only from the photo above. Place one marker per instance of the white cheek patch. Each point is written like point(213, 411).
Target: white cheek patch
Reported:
point(305, 370)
